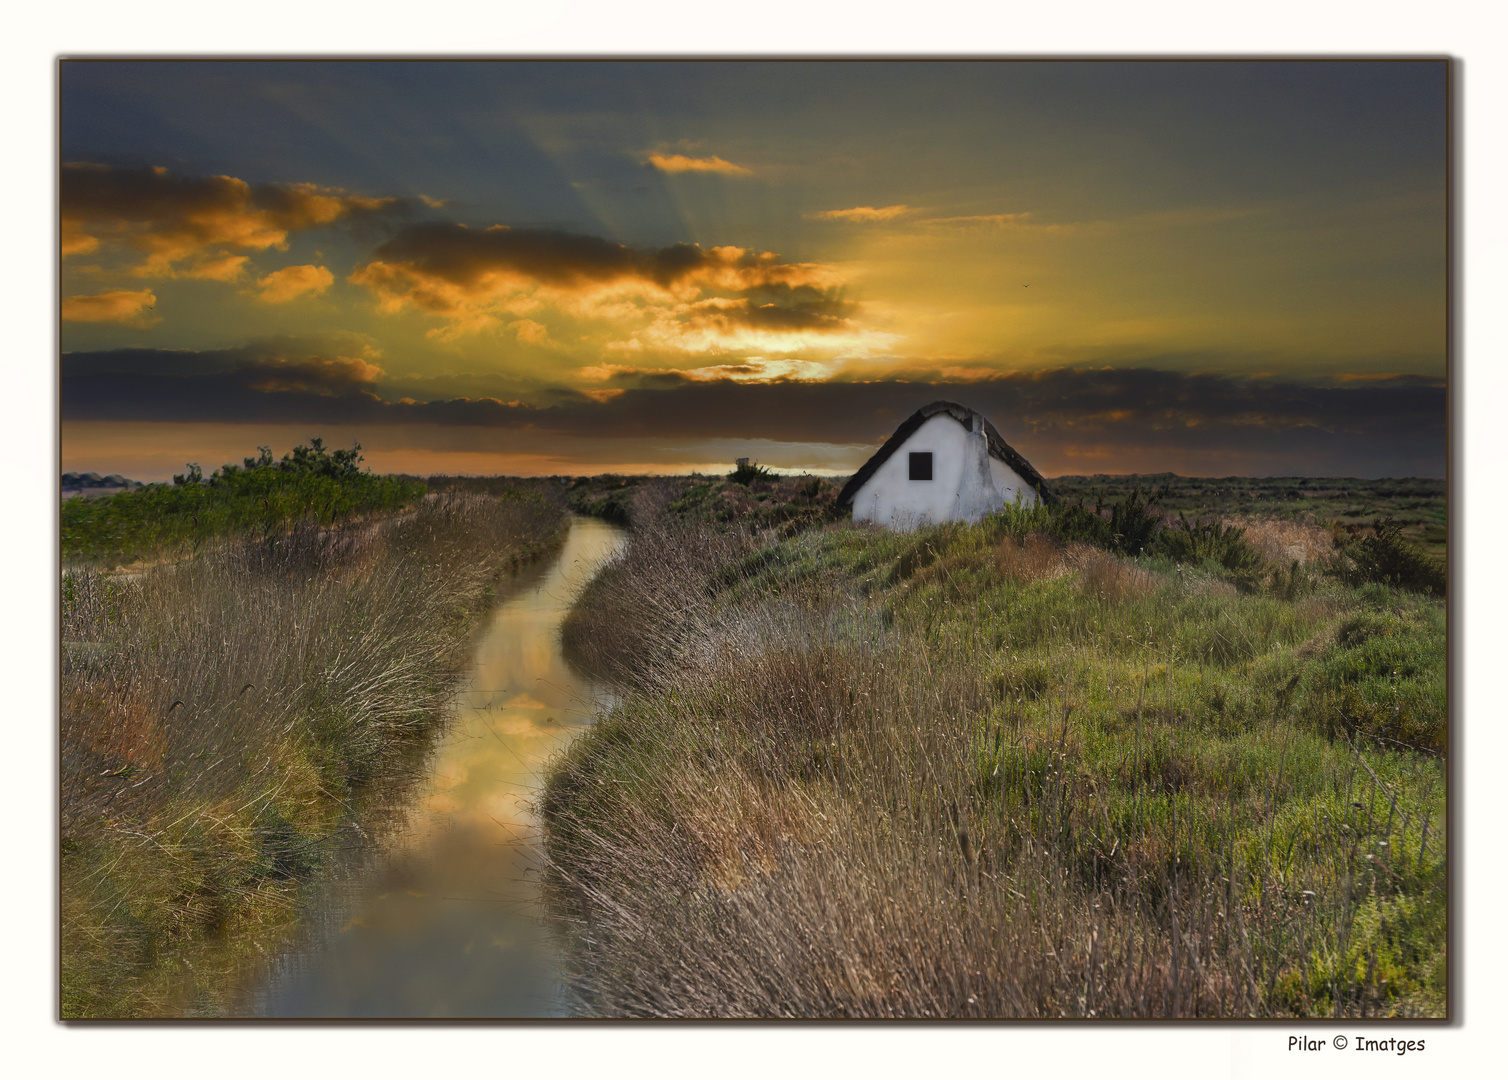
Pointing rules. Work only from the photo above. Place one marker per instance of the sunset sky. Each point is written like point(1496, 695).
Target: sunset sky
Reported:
point(1208, 267)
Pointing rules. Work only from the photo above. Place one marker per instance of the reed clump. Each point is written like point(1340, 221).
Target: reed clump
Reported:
point(229, 720)
point(974, 772)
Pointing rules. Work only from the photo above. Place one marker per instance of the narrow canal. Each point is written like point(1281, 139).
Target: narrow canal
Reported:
point(447, 921)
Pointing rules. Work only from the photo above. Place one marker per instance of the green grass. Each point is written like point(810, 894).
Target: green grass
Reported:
point(259, 497)
point(1082, 784)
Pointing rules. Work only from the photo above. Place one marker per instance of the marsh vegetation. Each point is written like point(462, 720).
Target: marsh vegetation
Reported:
point(238, 710)
point(258, 498)
point(1035, 767)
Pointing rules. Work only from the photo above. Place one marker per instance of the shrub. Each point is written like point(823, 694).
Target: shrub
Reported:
point(261, 496)
point(1128, 530)
point(748, 472)
point(1133, 523)
point(1224, 546)
point(1384, 556)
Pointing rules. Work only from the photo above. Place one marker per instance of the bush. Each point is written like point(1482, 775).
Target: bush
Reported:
point(1384, 556)
point(259, 496)
point(1133, 524)
point(1129, 529)
point(748, 472)
point(1224, 546)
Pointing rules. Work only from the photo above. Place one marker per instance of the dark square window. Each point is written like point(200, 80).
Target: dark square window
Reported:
point(921, 465)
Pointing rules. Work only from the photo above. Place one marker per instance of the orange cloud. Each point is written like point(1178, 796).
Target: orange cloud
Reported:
point(225, 268)
point(176, 219)
point(861, 213)
point(690, 296)
point(120, 306)
point(754, 369)
point(438, 267)
point(530, 332)
point(291, 282)
point(975, 221)
point(75, 241)
point(679, 163)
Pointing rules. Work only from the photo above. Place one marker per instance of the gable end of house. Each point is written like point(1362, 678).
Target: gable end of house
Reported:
point(998, 447)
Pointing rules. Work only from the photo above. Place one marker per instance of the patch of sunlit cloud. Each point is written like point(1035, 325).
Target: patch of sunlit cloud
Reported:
point(753, 369)
point(119, 306)
point(603, 372)
point(861, 213)
point(758, 370)
point(530, 332)
point(680, 163)
point(75, 241)
point(168, 220)
point(439, 268)
point(292, 282)
point(223, 268)
point(482, 280)
point(676, 335)
point(978, 221)
point(965, 373)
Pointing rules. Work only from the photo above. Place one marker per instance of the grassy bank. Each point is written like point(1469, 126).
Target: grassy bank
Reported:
point(997, 771)
point(228, 720)
point(260, 497)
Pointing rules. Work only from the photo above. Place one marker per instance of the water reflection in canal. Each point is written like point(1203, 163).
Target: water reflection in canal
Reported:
point(447, 923)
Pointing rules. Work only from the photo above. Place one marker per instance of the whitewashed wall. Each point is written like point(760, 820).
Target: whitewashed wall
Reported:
point(892, 498)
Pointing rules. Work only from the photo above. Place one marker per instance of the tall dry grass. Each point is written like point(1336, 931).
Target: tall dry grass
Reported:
point(810, 806)
point(227, 718)
point(638, 613)
point(1283, 542)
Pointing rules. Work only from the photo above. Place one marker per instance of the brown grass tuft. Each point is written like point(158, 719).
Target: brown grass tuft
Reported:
point(1034, 558)
point(1284, 542)
point(1110, 577)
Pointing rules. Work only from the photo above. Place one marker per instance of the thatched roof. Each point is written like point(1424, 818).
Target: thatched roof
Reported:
point(999, 448)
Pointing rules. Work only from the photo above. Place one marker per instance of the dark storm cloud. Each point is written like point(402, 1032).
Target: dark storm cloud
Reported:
point(1165, 405)
point(1362, 426)
point(250, 384)
point(778, 306)
point(170, 218)
point(465, 256)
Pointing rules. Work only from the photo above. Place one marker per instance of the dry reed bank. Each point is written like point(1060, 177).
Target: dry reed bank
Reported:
point(989, 771)
point(231, 719)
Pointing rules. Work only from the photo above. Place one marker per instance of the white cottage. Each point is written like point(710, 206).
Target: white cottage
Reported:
point(945, 463)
